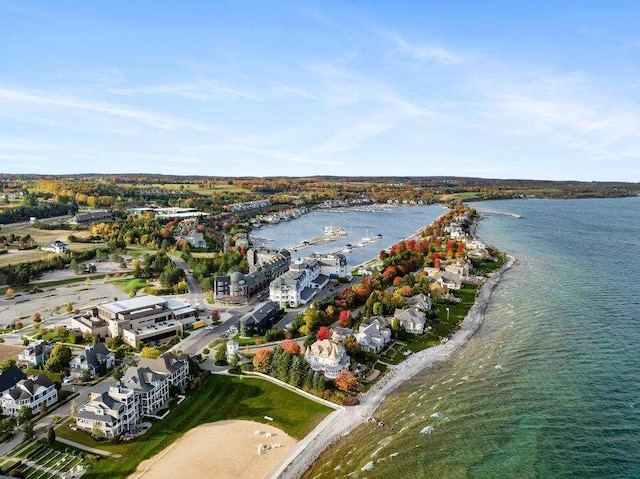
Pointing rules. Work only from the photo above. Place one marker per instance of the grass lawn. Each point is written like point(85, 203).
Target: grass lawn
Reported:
point(24, 256)
point(489, 266)
point(128, 285)
point(219, 398)
point(443, 328)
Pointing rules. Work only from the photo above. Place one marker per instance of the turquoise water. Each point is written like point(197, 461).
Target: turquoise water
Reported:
point(549, 387)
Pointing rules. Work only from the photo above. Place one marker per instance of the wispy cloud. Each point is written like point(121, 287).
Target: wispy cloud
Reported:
point(196, 90)
point(39, 99)
point(421, 52)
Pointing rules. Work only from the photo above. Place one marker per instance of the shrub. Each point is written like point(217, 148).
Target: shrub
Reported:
point(351, 401)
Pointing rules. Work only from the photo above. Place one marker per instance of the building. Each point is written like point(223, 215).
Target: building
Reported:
point(115, 412)
point(338, 335)
point(333, 265)
point(10, 377)
point(92, 359)
point(194, 238)
point(373, 337)
point(35, 393)
point(413, 320)
point(146, 318)
point(151, 389)
point(420, 301)
point(449, 281)
point(174, 367)
point(299, 284)
point(57, 247)
point(36, 354)
point(327, 357)
point(86, 323)
point(85, 219)
point(459, 268)
point(233, 348)
point(264, 267)
point(260, 319)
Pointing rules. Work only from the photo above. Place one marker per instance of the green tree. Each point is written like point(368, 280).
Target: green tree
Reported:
point(221, 355)
point(74, 409)
point(7, 363)
point(150, 352)
point(58, 359)
point(117, 374)
point(24, 414)
point(28, 429)
point(96, 433)
point(86, 375)
point(295, 372)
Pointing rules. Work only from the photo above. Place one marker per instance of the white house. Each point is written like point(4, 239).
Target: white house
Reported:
point(420, 301)
point(327, 357)
point(35, 393)
point(413, 320)
point(298, 285)
point(151, 389)
point(233, 348)
point(372, 337)
point(57, 247)
point(449, 280)
point(115, 412)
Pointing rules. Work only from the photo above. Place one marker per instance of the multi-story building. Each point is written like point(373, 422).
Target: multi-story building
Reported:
point(145, 318)
point(259, 320)
point(373, 337)
point(151, 389)
point(333, 265)
point(174, 367)
point(299, 284)
point(115, 412)
point(34, 393)
point(84, 219)
point(327, 357)
point(57, 247)
point(10, 377)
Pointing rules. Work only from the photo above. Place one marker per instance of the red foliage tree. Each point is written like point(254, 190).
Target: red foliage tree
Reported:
point(290, 346)
point(262, 360)
point(346, 381)
point(323, 333)
point(345, 318)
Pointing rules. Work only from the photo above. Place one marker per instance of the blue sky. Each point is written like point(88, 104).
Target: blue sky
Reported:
point(496, 89)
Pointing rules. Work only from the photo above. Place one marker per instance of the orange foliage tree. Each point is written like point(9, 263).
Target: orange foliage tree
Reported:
point(290, 346)
point(346, 381)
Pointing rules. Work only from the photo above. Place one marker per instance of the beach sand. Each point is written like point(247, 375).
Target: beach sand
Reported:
point(224, 449)
point(341, 423)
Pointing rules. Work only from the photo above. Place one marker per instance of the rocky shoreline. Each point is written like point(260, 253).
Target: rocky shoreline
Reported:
point(341, 423)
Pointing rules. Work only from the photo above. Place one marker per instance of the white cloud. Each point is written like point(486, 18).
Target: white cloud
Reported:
point(421, 52)
point(198, 90)
point(44, 100)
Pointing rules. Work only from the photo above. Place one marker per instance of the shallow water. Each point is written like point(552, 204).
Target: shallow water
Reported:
point(550, 384)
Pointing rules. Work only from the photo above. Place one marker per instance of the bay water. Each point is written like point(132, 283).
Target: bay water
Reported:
point(549, 386)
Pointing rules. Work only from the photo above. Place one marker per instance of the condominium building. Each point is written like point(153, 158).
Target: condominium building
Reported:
point(115, 412)
point(35, 393)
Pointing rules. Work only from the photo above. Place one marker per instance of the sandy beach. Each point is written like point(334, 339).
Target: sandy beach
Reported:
point(224, 449)
point(341, 423)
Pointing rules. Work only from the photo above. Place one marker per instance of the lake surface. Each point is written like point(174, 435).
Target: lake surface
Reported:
point(549, 387)
point(394, 224)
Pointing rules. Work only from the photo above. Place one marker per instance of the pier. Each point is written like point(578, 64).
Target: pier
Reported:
point(501, 213)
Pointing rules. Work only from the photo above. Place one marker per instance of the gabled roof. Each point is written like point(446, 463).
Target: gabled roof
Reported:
point(168, 363)
point(141, 378)
point(10, 377)
point(28, 388)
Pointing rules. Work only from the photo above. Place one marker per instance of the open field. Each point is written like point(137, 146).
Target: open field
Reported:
point(197, 189)
point(218, 398)
point(128, 285)
point(9, 352)
point(235, 441)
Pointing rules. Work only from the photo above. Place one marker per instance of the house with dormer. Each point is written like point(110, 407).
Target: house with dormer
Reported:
point(35, 393)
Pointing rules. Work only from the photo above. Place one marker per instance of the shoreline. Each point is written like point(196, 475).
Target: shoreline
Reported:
point(307, 451)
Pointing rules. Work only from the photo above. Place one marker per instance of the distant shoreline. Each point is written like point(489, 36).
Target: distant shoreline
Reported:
point(307, 451)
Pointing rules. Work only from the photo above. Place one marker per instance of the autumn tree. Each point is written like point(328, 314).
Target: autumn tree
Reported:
point(346, 381)
point(323, 333)
point(290, 346)
point(262, 360)
point(345, 318)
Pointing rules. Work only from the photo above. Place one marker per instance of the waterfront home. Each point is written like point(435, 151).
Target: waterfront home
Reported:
point(420, 301)
point(36, 354)
point(35, 393)
point(115, 412)
point(338, 335)
point(175, 367)
point(373, 337)
point(413, 320)
point(93, 359)
point(327, 357)
point(151, 389)
point(459, 268)
point(449, 281)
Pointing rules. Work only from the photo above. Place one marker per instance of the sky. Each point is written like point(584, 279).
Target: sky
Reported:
point(494, 89)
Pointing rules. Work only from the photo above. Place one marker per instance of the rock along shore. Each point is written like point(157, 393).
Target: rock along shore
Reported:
point(341, 423)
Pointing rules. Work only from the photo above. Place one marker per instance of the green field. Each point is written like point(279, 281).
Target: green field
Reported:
point(48, 462)
point(128, 285)
point(219, 398)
